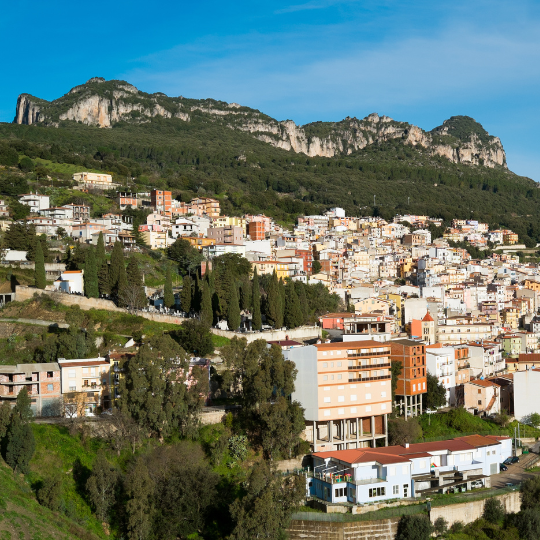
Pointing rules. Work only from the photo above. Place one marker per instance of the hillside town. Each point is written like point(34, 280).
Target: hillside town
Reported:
point(409, 292)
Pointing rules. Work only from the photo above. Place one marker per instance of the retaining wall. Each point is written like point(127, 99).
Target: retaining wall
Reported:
point(304, 332)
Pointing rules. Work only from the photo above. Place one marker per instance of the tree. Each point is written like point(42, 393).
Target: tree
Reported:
point(186, 294)
point(187, 257)
point(40, 276)
point(293, 312)
point(274, 310)
point(493, 511)
point(435, 392)
point(23, 405)
point(256, 302)
point(140, 489)
point(50, 493)
point(534, 419)
point(5, 418)
point(265, 510)
point(233, 310)
point(104, 282)
point(61, 233)
point(206, 306)
point(20, 444)
point(416, 527)
point(530, 493)
point(153, 389)
point(101, 486)
point(403, 431)
point(396, 368)
point(100, 250)
point(131, 294)
point(440, 526)
point(168, 295)
point(26, 164)
point(315, 267)
point(91, 285)
point(528, 524)
point(117, 270)
point(195, 338)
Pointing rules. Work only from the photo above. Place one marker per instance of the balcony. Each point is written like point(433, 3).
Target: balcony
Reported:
point(363, 355)
point(371, 366)
point(366, 379)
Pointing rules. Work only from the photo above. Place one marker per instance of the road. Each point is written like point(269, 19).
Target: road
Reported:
point(516, 473)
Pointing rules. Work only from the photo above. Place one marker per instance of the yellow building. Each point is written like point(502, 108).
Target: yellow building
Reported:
point(510, 318)
point(199, 243)
point(229, 221)
point(268, 267)
point(93, 179)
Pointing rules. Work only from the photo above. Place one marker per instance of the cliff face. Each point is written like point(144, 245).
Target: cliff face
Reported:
point(104, 103)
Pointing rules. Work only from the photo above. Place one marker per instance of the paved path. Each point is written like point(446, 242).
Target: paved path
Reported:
point(37, 322)
point(516, 473)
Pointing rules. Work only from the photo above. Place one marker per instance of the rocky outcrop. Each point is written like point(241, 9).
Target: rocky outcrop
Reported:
point(103, 103)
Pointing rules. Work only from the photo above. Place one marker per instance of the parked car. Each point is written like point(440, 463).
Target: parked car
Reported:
point(515, 459)
point(503, 467)
point(508, 461)
point(477, 484)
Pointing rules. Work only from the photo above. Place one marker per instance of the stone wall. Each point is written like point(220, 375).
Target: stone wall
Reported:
point(304, 332)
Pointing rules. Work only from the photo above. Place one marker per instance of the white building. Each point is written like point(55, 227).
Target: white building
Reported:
point(526, 394)
point(70, 281)
point(440, 361)
point(35, 201)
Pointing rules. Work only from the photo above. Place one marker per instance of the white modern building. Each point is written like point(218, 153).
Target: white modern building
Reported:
point(440, 361)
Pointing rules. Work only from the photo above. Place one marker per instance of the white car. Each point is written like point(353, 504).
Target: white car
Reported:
point(477, 484)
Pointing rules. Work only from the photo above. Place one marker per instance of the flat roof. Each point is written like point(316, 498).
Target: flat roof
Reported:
point(339, 345)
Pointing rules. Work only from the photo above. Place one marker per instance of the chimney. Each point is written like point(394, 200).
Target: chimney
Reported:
point(406, 445)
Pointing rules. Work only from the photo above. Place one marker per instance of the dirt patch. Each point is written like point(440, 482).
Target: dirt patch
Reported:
point(42, 309)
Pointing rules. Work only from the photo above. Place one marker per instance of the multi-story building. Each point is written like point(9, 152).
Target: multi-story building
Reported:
point(346, 391)
point(482, 397)
point(440, 362)
point(486, 358)
point(160, 200)
point(87, 378)
point(80, 211)
point(411, 383)
point(424, 329)
point(126, 200)
point(35, 201)
point(373, 475)
point(204, 206)
point(42, 382)
point(4, 208)
point(228, 234)
point(99, 180)
point(255, 230)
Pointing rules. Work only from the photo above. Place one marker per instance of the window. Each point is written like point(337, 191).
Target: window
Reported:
point(423, 464)
point(353, 397)
point(353, 410)
point(479, 391)
point(339, 376)
point(341, 399)
point(331, 377)
point(50, 388)
point(341, 411)
point(383, 394)
point(326, 388)
point(368, 408)
point(325, 377)
point(331, 364)
point(85, 370)
point(339, 364)
point(377, 492)
point(368, 396)
point(327, 400)
point(72, 388)
point(383, 407)
point(404, 469)
point(479, 402)
point(391, 471)
point(395, 490)
point(72, 374)
point(341, 387)
point(50, 374)
point(414, 387)
point(326, 413)
point(325, 364)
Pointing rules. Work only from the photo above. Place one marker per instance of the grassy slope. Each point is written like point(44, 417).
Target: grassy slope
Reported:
point(23, 518)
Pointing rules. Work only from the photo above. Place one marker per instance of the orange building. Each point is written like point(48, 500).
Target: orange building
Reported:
point(161, 200)
point(411, 383)
point(424, 329)
point(255, 230)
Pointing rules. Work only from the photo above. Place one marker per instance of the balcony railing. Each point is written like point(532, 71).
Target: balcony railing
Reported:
point(358, 354)
point(381, 377)
point(371, 366)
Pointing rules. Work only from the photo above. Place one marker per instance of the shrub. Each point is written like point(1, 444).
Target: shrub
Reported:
point(493, 511)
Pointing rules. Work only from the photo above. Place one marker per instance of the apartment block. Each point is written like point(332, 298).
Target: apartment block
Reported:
point(42, 382)
point(126, 200)
point(255, 230)
point(345, 389)
point(411, 383)
point(93, 179)
point(89, 378)
point(160, 200)
point(228, 234)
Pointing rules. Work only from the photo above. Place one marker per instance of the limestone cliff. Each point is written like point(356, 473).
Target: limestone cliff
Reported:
point(103, 103)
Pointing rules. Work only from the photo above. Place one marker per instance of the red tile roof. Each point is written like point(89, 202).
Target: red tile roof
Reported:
point(428, 318)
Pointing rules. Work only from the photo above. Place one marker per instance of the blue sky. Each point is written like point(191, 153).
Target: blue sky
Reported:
point(416, 61)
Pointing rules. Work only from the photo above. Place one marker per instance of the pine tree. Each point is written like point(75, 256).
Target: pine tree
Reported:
point(168, 295)
point(39, 271)
point(207, 315)
point(186, 294)
point(256, 303)
point(293, 312)
point(91, 285)
point(100, 250)
point(233, 310)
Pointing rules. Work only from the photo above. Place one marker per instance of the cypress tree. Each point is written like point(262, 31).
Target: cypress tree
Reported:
point(281, 289)
point(197, 295)
point(39, 271)
point(207, 315)
point(186, 294)
point(20, 444)
point(256, 302)
point(233, 310)
point(168, 295)
point(302, 298)
point(293, 312)
point(133, 286)
point(100, 250)
point(273, 302)
point(103, 279)
point(91, 285)
point(117, 269)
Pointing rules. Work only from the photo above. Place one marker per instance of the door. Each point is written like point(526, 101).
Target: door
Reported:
point(405, 490)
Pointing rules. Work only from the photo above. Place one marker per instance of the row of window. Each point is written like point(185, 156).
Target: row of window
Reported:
point(355, 410)
point(353, 397)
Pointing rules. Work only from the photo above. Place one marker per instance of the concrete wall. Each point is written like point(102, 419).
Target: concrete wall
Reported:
point(304, 332)
point(385, 529)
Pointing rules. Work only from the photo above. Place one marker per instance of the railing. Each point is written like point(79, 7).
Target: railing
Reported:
point(382, 353)
point(388, 377)
point(371, 366)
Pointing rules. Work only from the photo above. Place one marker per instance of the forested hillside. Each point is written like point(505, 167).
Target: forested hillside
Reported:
point(213, 156)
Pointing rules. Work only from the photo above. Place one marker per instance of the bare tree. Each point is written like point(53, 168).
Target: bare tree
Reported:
point(132, 296)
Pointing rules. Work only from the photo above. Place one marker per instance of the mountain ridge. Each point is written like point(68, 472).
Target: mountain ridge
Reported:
point(99, 102)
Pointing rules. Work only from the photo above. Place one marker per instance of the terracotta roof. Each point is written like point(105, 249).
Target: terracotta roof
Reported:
point(486, 384)
point(64, 363)
point(529, 357)
point(339, 346)
point(428, 318)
